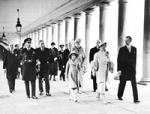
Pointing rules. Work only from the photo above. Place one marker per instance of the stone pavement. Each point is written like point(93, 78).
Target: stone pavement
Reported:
point(59, 102)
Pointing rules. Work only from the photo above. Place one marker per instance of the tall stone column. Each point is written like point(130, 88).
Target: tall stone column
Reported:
point(76, 24)
point(53, 28)
point(38, 34)
point(43, 33)
point(59, 31)
point(36, 40)
point(146, 44)
point(121, 21)
point(67, 19)
point(88, 12)
point(102, 25)
point(47, 36)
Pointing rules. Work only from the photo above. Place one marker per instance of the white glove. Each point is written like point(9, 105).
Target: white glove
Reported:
point(55, 58)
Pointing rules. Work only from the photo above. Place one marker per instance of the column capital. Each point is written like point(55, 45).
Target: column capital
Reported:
point(77, 15)
point(59, 21)
point(47, 25)
point(104, 3)
point(67, 18)
point(122, 1)
point(53, 24)
point(88, 10)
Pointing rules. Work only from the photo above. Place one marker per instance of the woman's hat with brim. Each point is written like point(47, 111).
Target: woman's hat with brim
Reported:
point(102, 43)
point(73, 52)
point(77, 41)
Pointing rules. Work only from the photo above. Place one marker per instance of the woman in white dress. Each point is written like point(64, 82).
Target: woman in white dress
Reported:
point(101, 61)
point(71, 73)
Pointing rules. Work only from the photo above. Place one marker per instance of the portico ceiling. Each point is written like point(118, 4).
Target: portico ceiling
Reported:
point(34, 12)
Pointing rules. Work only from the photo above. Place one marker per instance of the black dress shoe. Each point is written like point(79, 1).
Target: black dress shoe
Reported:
point(48, 94)
point(106, 89)
point(28, 97)
point(41, 93)
point(34, 97)
point(120, 98)
point(137, 101)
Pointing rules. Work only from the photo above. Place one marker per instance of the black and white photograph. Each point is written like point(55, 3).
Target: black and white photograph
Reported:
point(74, 56)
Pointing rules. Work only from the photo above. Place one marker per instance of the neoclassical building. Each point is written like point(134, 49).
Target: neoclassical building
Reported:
point(63, 21)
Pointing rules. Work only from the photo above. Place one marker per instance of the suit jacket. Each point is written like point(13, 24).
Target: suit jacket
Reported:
point(44, 57)
point(54, 64)
point(92, 52)
point(126, 62)
point(66, 54)
point(11, 65)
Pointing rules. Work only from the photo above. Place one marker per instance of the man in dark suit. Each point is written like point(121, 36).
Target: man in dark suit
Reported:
point(91, 57)
point(61, 60)
point(17, 54)
point(43, 57)
point(127, 67)
point(29, 67)
point(54, 64)
point(11, 65)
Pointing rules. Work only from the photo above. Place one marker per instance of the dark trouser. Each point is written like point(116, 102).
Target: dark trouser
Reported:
point(47, 85)
point(94, 82)
point(62, 74)
point(122, 87)
point(28, 88)
point(11, 84)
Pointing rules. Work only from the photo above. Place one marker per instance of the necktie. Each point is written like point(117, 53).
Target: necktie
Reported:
point(129, 48)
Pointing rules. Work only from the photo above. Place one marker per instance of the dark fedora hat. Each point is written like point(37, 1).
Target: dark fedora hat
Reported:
point(53, 43)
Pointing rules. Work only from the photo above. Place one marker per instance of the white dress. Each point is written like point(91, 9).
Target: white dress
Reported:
point(101, 62)
point(72, 74)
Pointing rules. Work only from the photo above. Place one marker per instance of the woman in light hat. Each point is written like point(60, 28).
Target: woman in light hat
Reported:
point(81, 59)
point(71, 73)
point(101, 61)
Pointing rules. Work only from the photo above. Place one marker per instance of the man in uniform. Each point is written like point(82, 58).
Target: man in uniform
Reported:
point(29, 68)
point(43, 56)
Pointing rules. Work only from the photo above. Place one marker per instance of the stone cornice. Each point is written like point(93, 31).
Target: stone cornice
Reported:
point(65, 11)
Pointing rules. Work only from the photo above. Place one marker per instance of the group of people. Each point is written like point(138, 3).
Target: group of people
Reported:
point(44, 63)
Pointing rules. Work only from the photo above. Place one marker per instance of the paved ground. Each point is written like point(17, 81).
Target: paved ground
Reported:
point(59, 102)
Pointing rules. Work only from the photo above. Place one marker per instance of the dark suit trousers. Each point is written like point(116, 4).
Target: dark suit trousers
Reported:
point(47, 85)
point(27, 86)
point(122, 87)
point(11, 84)
point(94, 82)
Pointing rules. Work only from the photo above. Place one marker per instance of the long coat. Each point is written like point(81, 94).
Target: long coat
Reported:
point(81, 59)
point(101, 62)
point(44, 58)
point(11, 65)
point(92, 53)
point(54, 64)
point(29, 64)
point(66, 55)
point(71, 73)
point(126, 63)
